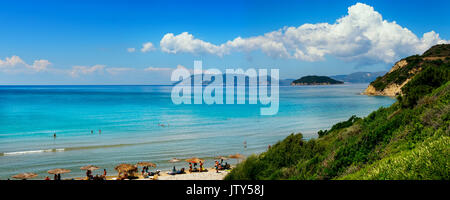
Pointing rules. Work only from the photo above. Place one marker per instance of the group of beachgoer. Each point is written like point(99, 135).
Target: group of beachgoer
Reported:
point(175, 171)
point(92, 132)
point(96, 177)
point(57, 177)
point(146, 173)
point(221, 165)
point(195, 169)
point(99, 131)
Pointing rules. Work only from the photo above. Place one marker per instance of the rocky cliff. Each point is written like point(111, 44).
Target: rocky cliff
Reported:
point(403, 71)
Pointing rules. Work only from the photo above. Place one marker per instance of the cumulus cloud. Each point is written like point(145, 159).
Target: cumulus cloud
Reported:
point(362, 35)
point(146, 47)
point(131, 50)
point(11, 62)
point(40, 65)
point(186, 43)
point(15, 63)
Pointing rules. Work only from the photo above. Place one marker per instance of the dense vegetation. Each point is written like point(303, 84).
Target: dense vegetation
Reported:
point(434, 74)
point(436, 54)
point(315, 80)
point(441, 50)
point(408, 140)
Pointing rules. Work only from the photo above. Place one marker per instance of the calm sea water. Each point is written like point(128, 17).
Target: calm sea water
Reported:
point(129, 118)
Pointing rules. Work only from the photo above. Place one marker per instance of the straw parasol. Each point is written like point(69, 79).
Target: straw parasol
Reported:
point(174, 160)
point(58, 171)
point(221, 158)
point(126, 168)
point(236, 156)
point(90, 167)
point(146, 164)
point(24, 176)
point(195, 160)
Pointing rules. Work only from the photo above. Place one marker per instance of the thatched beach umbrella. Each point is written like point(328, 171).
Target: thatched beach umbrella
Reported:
point(195, 160)
point(221, 158)
point(89, 167)
point(127, 168)
point(236, 156)
point(174, 160)
point(146, 164)
point(58, 171)
point(24, 176)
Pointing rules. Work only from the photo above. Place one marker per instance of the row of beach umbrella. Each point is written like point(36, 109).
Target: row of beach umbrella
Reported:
point(24, 176)
point(122, 167)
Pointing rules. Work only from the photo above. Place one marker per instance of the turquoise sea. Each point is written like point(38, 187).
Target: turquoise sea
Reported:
point(130, 119)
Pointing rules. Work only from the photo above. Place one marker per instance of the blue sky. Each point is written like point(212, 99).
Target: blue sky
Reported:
point(89, 42)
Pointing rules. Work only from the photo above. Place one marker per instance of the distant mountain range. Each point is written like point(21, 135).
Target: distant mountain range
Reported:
point(246, 79)
point(359, 77)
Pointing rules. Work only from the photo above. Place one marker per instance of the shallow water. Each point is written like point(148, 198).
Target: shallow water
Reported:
point(128, 117)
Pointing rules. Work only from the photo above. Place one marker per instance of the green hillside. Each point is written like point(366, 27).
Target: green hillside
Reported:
point(438, 51)
point(434, 56)
point(408, 140)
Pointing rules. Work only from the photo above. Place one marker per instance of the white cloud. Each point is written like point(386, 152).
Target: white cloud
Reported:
point(146, 47)
point(76, 71)
point(192, 70)
point(11, 62)
point(15, 63)
point(131, 50)
point(186, 43)
point(85, 70)
point(40, 65)
point(362, 35)
point(158, 69)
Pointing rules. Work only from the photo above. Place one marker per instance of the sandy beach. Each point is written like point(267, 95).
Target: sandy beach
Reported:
point(211, 174)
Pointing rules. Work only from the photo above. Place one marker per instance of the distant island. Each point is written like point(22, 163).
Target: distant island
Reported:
point(316, 80)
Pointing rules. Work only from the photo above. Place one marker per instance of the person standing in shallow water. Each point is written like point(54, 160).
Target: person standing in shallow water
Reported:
point(54, 135)
point(99, 131)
